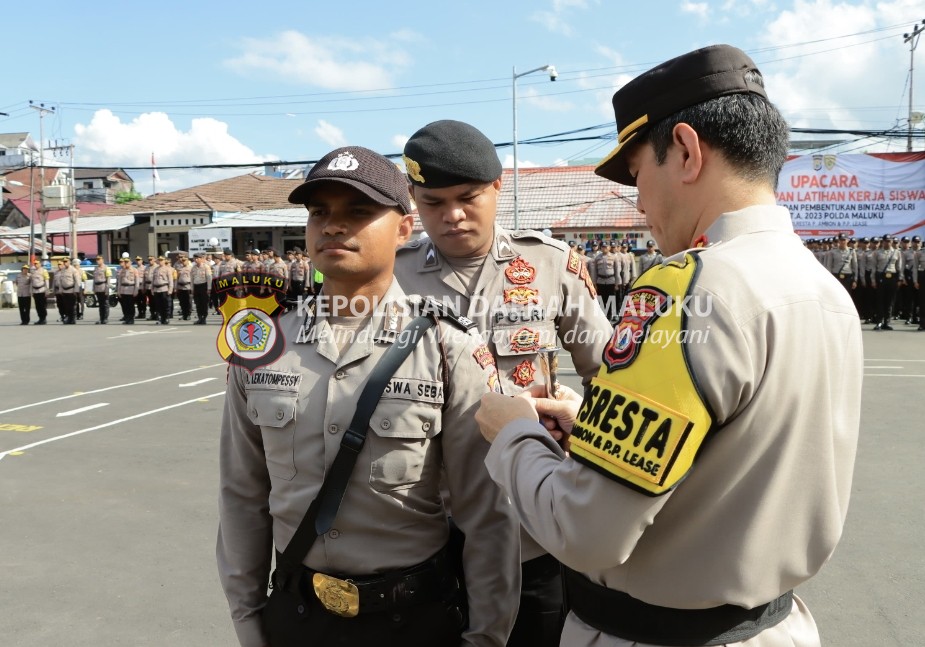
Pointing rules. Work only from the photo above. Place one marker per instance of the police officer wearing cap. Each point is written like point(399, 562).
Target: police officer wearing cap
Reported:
point(128, 284)
point(650, 258)
point(379, 571)
point(38, 285)
point(201, 278)
point(888, 270)
point(918, 277)
point(907, 296)
point(842, 262)
point(523, 290)
point(101, 276)
point(685, 512)
point(24, 295)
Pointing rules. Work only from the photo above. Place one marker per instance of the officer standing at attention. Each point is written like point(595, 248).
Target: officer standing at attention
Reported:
point(24, 295)
point(101, 276)
point(140, 297)
point(69, 285)
point(39, 287)
point(79, 295)
point(607, 274)
point(684, 512)
point(523, 290)
point(842, 262)
point(650, 259)
point(185, 287)
point(161, 289)
point(915, 260)
point(128, 282)
point(363, 581)
point(888, 275)
point(906, 293)
point(201, 276)
point(153, 264)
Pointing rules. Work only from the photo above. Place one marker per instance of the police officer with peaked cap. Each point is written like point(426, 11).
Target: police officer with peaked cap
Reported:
point(686, 512)
point(284, 422)
point(523, 290)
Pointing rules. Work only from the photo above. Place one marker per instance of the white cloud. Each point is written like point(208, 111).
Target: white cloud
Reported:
point(108, 141)
point(399, 141)
point(532, 97)
point(841, 82)
point(330, 134)
point(556, 19)
point(699, 9)
point(332, 62)
point(508, 162)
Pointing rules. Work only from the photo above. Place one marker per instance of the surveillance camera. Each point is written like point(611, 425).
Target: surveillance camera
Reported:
point(553, 75)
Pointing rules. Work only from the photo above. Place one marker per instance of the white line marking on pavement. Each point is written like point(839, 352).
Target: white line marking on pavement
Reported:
point(870, 367)
point(891, 375)
point(893, 359)
point(109, 424)
point(134, 333)
point(109, 388)
point(208, 379)
point(82, 409)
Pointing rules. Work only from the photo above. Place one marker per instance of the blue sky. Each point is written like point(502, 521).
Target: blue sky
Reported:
point(207, 82)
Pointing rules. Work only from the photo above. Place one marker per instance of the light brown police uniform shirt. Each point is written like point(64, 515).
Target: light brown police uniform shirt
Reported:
point(67, 281)
point(101, 279)
point(127, 281)
point(532, 292)
point(162, 279)
point(282, 427)
point(23, 285)
point(39, 280)
point(764, 503)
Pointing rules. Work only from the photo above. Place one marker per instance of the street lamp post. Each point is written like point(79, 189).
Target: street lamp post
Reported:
point(553, 75)
point(913, 39)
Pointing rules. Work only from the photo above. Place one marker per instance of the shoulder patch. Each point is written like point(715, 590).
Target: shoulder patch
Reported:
point(636, 427)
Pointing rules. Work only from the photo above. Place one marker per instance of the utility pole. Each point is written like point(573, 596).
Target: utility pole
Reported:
point(42, 110)
point(913, 39)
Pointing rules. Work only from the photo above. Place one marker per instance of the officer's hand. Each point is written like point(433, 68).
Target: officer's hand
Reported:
point(498, 410)
point(557, 415)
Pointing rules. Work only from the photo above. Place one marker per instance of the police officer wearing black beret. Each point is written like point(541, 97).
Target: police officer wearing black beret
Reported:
point(523, 290)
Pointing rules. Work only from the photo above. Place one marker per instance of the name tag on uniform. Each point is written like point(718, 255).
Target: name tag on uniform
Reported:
point(412, 389)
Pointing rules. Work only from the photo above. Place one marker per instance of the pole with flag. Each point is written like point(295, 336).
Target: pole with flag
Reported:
point(154, 176)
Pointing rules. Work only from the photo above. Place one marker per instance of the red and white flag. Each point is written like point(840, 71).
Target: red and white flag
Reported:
point(154, 174)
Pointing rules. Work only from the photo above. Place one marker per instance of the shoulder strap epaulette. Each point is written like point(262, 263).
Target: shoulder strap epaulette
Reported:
point(531, 234)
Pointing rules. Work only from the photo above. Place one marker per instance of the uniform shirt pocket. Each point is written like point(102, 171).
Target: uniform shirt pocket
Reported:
point(399, 445)
point(275, 413)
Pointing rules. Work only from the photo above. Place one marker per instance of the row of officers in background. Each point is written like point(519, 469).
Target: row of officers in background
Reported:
point(150, 288)
point(883, 277)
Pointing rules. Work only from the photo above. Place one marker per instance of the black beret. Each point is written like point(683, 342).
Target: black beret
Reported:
point(650, 243)
point(446, 153)
point(668, 88)
point(227, 250)
point(865, 239)
point(886, 237)
point(366, 171)
point(916, 239)
point(904, 239)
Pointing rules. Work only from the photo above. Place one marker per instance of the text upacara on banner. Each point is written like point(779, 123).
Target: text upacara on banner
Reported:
point(857, 195)
point(643, 420)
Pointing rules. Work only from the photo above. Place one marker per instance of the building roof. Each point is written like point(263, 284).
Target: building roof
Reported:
point(94, 173)
point(242, 193)
point(567, 197)
point(15, 140)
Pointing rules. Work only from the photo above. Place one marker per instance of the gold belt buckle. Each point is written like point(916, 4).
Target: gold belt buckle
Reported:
point(841, 276)
point(340, 597)
point(888, 275)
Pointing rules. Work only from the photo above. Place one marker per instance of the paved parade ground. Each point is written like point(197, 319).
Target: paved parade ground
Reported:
point(109, 475)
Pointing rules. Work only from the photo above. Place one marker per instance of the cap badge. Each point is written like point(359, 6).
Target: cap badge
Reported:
point(344, 162)
point(413, 169)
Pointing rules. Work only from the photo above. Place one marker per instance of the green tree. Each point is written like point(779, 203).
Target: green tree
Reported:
point(128, 196)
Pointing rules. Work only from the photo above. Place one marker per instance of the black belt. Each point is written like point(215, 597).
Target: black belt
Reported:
point(622, 615)
point(426, 582)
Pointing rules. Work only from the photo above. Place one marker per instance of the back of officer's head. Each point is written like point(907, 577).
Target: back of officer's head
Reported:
point(719, 92)
point(447, 153)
